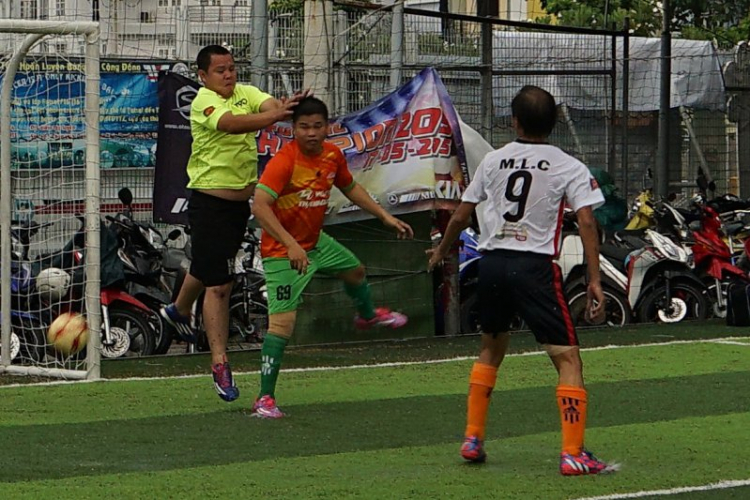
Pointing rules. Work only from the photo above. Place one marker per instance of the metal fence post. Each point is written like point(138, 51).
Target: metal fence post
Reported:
point(259, 62)
point(397, 43)
point(317, 48)
point(611, 132)
point(661, 179)
point(625, 106)
point(486, 76)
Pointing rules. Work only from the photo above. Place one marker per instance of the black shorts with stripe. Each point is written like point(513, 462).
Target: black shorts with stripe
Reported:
point(527, 284)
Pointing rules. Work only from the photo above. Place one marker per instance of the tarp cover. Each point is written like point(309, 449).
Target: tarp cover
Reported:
point(697, 79)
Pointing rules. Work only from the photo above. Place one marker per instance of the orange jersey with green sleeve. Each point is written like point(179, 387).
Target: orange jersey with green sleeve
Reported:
point(301, 186)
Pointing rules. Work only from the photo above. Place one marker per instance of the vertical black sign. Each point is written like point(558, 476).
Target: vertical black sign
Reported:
point(176, 93)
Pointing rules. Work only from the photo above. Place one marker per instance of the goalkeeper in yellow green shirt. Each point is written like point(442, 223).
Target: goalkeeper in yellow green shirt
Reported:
point(222, 171)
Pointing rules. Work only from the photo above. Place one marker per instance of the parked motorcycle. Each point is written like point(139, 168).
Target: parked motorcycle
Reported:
point(148, 265)
point(28, 335)
point(573, 268)
point(126, 322)
point(248, 303)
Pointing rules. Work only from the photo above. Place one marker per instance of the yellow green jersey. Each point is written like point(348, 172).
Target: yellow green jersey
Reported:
point(220, 160)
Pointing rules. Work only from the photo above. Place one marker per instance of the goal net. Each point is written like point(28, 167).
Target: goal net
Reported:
point(49, 199)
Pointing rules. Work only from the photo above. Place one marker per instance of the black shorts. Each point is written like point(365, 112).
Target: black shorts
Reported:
point(527, 284)
point(217, 227)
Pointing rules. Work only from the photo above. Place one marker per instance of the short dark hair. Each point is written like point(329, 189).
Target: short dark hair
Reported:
point(204, 56)
point(310, 106)
point(536, 111)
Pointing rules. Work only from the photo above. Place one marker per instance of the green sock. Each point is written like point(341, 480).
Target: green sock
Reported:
point(270, 363)
point(362, 298)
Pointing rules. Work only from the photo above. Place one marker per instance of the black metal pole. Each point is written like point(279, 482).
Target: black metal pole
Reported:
point(661, 181)
point(612, 135)
point(625, 106)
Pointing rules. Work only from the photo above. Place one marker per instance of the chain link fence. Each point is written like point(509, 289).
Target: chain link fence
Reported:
point(373, 48)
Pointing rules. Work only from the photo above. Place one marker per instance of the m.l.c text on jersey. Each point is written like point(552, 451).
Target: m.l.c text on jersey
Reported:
point(512, 164)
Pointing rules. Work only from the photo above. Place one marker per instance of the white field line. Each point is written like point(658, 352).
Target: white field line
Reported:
point(384, 365)
point(731, 342)
point(721, 485)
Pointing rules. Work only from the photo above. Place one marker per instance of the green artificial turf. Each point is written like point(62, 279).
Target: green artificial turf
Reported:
point(674, 415)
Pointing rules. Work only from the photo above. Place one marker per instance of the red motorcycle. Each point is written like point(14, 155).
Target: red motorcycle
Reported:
point(128, 325)
point(714, 262)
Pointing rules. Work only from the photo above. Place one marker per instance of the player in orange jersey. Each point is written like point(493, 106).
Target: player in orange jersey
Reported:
point(290, 205)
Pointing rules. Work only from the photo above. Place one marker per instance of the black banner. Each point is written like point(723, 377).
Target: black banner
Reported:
point(176, 93)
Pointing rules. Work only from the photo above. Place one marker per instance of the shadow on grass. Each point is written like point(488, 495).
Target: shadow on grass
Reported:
point(231, 436)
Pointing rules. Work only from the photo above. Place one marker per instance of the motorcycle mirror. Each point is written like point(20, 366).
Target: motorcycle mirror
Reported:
point(126, 196)
point(671, 197)
point(174, 234)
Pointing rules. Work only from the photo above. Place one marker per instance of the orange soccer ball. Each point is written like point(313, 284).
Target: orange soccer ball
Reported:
point(69, 333)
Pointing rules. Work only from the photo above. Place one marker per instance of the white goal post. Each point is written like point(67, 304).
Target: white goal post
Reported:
point(34, 32)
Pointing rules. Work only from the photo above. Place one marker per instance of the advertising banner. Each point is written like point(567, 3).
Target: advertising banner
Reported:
point(48, 120)
point(405, 149)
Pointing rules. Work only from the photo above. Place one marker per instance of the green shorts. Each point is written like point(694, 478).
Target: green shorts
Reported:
point(285, 285)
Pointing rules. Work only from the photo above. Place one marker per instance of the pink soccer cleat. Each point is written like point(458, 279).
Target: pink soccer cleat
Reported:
point(265, 407)
point(384, 317)
point(584, 464)
point(473, 450)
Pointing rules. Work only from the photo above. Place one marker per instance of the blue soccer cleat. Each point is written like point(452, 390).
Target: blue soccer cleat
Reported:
point(180, 323)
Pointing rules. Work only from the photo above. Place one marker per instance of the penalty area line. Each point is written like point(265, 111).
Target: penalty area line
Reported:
point(721, 485)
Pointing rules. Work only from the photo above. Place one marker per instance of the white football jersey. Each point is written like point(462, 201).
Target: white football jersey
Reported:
point(522, 189)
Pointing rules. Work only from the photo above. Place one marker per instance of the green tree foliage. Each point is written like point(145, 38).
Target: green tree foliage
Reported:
point(645, 17)
point(726, 22)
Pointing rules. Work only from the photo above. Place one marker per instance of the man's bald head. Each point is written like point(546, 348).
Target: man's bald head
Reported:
point(535, 110)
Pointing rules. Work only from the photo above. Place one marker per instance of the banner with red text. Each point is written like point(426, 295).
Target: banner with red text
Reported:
point(405, 149)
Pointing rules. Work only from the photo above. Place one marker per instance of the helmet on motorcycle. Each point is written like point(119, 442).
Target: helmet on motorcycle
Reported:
point(53, 284)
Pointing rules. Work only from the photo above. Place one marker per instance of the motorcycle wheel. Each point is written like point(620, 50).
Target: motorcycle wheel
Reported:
point(688, 303)
point(164, 333)
point(248, 322)
point(32, 335)
point(617, 311)
point(716, 310)
point(136, 326)
point(15, 347)
point(164, 339)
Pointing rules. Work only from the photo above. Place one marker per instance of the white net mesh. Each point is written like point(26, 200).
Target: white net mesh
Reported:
point(48, 186)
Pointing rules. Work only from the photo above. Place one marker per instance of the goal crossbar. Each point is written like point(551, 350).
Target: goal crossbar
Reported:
point(21, 27)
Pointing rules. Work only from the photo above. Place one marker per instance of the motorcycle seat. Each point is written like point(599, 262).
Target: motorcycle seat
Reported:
point(631, 240)
point(615, 255)
point(733, 228)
